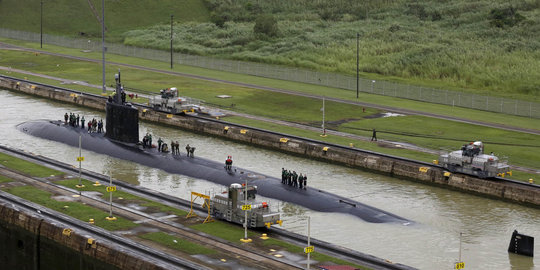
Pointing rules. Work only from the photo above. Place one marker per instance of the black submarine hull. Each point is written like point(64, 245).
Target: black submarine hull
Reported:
point(202, 168)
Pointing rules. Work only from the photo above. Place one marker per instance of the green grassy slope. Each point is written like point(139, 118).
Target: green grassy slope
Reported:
point(447, 44)
point(71, 17)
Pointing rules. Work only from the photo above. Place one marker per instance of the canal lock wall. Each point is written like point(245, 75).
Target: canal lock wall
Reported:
point(350, 156)
point(31, 241)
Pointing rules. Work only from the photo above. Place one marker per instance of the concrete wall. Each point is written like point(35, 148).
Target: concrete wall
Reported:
point(31, 242)
point(347, 156)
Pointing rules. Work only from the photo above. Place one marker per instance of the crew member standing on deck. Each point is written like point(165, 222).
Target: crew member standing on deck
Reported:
point(65, 118)
point(300, 181)
point(159, 142)
point(228, 163)
point(305, 181)
point(82, 122)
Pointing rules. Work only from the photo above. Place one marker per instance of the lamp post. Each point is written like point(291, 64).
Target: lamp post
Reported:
point(171, 41)
point(357, 61)
point(41, 25)
point(103, 44)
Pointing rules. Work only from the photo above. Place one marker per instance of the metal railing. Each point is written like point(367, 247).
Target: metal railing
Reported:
point(425, 94)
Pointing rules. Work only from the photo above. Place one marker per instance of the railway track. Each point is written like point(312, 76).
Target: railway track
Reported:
point(159, 258)
point(321, 246)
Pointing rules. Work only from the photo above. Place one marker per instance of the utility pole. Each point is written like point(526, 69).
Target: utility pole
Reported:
point(80, 158)
point(323, 109)
point(308, 238)
point(171, 41)
point(41, 25)
point(103, 44)
point(357, 61)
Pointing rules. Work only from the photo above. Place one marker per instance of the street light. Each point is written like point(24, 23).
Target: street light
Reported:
point(372, 83)
point(357, 61)
point(171, 41)
point(103, 44)
point(41, 25)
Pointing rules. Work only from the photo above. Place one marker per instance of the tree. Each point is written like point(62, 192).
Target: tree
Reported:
point(266, 25)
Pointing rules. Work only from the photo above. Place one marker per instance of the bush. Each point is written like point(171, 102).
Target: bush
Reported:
point(394, 28)
point(219, 19)
point(501, 17)
point(266, 25)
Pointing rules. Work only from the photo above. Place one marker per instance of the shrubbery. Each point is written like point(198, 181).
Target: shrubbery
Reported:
point(501, 17)
point(439, 43)
point(266, 25)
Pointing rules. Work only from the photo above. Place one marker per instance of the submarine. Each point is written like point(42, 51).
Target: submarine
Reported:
point(121, 140)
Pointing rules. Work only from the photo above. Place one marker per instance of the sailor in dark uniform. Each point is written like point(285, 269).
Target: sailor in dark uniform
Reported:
point(159, 142)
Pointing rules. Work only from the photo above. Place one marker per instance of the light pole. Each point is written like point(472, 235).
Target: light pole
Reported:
point(171, 41)
point(357, 60)
point(103, 43)
point(41, 25)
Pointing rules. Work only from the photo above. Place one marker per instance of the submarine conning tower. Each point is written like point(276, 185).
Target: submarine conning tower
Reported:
point(122, 118)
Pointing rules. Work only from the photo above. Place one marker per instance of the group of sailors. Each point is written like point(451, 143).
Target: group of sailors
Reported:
point(164, 147)
point(76, 121)
point(293, 179)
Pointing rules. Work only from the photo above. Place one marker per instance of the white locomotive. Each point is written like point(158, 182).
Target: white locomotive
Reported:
point(169, 101)
point(472, 160)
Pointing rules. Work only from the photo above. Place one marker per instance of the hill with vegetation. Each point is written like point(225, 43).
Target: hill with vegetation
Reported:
point(488, 47)
point(76, 18)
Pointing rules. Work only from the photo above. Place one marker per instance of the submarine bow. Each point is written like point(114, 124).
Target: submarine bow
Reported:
point(206, 169)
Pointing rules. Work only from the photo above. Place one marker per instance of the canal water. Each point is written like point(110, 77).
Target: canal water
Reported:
point(431, 242)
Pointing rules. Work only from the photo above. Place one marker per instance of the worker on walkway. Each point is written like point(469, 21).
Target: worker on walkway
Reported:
point(188, 148)
point(66, 118)
point(300, 181)
point(305, 181)
point(82, 121)
point(374, 136)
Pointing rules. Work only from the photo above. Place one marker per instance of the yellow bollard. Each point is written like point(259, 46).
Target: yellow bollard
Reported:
point(264, 236)
point(531, 181)
point(91, 221)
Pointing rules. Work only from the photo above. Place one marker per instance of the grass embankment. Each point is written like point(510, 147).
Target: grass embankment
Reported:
point(73, 209)
point(78, 19)
point(190, 87)
point(422, 131)
point(4, 179)
point(120, 195)
point(233, 233)
point(178, 243)
point(27, 167)
point(486, 47)
point(446, 44)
